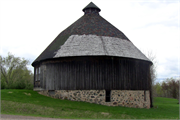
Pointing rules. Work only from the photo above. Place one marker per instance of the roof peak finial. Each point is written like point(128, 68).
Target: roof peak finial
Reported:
point(91, 8)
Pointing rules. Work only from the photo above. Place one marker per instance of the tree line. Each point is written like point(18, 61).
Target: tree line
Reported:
point(168, 88)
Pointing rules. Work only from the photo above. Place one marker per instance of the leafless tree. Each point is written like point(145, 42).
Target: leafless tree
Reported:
point(153, 74)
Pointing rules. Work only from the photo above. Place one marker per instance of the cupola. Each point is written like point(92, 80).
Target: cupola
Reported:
point(91, 8)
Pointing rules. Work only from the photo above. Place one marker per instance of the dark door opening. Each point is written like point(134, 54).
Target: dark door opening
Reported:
point(108, 96)
point(51, 92)
point(144, 95)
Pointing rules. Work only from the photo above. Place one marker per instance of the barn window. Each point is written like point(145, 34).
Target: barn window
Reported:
point(39, 70)
point(38, 73)
point(108, 96)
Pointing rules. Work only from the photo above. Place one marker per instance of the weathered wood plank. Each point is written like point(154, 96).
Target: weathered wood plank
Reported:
point(95, 73)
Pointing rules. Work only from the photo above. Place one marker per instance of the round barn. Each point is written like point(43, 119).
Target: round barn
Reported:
point(93, 61)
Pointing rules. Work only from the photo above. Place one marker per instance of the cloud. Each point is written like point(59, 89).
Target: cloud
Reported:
point(168, 68)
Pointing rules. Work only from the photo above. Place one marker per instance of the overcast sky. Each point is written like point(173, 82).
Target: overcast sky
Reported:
point(27, 27)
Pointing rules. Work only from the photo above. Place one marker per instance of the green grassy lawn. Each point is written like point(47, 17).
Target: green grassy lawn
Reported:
point(28, 102)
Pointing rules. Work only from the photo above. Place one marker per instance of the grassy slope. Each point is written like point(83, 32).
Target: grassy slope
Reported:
point(28, 102)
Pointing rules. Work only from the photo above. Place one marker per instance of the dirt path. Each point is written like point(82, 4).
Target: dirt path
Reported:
point(17, 117)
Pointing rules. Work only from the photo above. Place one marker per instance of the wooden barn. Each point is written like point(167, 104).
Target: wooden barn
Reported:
point(93, 61)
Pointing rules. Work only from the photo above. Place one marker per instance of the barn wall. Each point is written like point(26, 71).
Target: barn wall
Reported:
point(126, 98)
point(95, 73)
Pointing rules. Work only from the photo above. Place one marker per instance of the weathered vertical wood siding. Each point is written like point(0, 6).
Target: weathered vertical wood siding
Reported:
point(95, 73)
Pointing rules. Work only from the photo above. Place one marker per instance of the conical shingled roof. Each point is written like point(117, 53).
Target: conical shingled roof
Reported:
point(91, 35)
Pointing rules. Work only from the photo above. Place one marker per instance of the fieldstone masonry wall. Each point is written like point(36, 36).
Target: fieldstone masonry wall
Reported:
point(127, 98)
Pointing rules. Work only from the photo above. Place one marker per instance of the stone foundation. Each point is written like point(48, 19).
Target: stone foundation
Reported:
point(126, 98)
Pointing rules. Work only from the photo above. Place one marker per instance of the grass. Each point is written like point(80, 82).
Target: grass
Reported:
point(28, 102)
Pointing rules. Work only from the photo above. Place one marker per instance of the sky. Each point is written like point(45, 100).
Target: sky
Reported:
point(27, 27)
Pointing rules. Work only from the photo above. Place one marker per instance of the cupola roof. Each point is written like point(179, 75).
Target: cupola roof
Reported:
point(91, 5)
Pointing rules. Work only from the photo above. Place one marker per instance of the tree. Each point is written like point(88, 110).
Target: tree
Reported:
point(14, 72)
point(153, 73)
point(153, 67)
point(157, 90)
point(170, 88)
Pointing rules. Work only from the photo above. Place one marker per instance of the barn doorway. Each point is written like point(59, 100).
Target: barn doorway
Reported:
point(51, 92)
point(108, 96)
